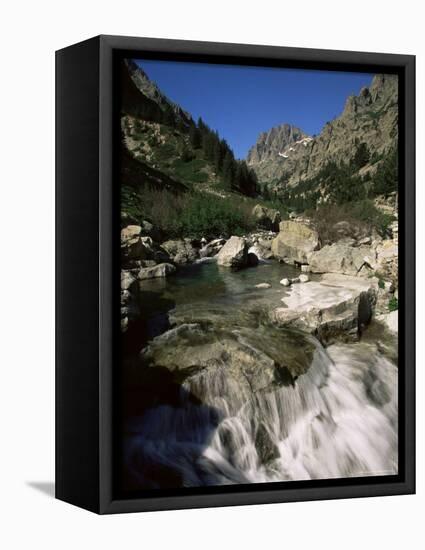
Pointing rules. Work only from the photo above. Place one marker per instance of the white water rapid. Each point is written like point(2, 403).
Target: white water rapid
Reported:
point(338, 419)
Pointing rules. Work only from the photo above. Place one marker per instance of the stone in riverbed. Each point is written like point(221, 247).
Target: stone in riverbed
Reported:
point(303, 278)
point(181, 251)
point(262, 252)
point(285, 282)
point(212, 248)
point(295, 242)
point(336, 307)
point(263, 285)
point(256, 360)
point(160, 270)
point(130, 232)
point(234, 253)
point(127, 279)
point(341, 258)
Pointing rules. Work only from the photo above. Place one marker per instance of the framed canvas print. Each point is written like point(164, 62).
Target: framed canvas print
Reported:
point(235, 274)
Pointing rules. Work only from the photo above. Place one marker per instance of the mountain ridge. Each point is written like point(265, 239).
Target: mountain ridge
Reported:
point(371, 117)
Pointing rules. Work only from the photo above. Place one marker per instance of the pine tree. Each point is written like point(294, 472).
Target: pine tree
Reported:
point(195, 137)
point(168, 116)
point(228, 173)
point(218, 159)
point(385, 180)
point(361, 156)
point(201, 125)
point(186, 154)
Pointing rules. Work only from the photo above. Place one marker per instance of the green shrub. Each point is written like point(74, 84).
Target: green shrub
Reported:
point(189, 214)
point(393, 304)
point(191, 171)
point(385, 180)
point(362, 217)
point(381, 283)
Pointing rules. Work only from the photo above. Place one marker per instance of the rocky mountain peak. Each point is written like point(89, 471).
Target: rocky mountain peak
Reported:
point(287, 156)
point(278, 141)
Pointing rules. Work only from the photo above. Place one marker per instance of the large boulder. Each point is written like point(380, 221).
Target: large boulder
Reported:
point(135, 246)
point(295, 242)
point(181, 251)
point(267, 218)
point(212, 248)
point(253, 361)
point(342, 258)
point(130, 232)
point(336, 307)
point(129, 299)
point(127, 280)
point(160, 270)
point(262, 252)
point(234, 253)
point(387, 259)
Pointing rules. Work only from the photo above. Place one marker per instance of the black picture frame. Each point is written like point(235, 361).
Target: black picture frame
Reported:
point(86, 274)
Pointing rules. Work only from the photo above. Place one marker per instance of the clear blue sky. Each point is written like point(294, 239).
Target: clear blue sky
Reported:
point(240, 102)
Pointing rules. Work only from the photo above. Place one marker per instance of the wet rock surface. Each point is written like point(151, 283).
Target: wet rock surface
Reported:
point(335, 307)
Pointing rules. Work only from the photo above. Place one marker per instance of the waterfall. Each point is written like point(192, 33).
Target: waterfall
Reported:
point(338, 419)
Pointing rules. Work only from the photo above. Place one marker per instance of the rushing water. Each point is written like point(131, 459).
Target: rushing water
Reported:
point(256, 403)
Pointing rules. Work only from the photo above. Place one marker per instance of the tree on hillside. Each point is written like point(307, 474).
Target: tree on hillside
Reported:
point(195, 137)
point(201, 125)
point(228, 171)
point(385, 180)
point(361, 156)
point(218, 156)
point(186, 154)
point(208, 144)
point(168, 116)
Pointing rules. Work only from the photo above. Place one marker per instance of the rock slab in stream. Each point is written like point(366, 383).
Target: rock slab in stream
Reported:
point(160, 270)
point(334, 308)
point(255, 360)
point(341, 258)
point(234, 253)
point(181, 251)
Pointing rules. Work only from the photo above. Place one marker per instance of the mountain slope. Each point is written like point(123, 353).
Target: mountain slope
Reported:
point(370, 118)
point(139, 90)
point(174, 172)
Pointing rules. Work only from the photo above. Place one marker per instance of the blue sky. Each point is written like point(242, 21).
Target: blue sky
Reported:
point(240, 102)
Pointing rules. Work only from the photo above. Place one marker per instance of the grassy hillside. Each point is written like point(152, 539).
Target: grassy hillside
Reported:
point(184, 180)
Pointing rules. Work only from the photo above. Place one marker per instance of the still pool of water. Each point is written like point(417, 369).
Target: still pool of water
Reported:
point(208, 282)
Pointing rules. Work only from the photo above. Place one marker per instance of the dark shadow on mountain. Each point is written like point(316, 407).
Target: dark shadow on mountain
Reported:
point(137, 173)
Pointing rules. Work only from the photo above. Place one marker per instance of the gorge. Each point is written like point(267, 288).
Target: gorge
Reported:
point(258, 332)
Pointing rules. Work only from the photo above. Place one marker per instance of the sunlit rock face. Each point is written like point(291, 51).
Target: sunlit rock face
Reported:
point(336, 307)
point(287, 154)
point(295, 242)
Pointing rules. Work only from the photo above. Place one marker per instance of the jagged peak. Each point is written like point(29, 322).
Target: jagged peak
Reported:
point(381, 87)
